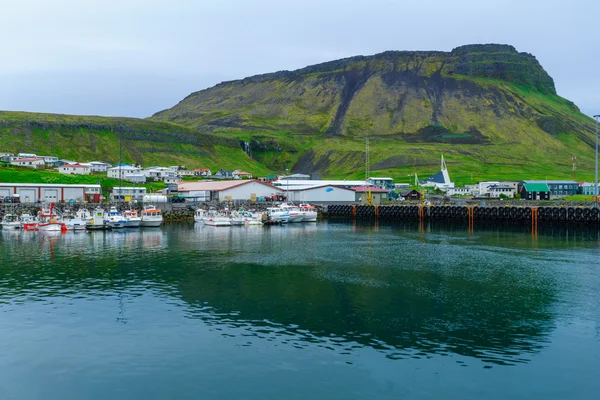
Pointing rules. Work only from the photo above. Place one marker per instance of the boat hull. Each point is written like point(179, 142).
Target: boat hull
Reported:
point(50, 227)
point(151, 224)
point(216, 221)
point(295, 218)
point(11, 225)
point(310, 217)
point(133, 223)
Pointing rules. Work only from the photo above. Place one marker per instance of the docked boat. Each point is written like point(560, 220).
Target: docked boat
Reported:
point(10, 221)
point(212, 218)
point(237, 218)
point(29, 222)
point(133, 219)
point(278, 215)
point(309, 212)
point(76, 222)
point(295, 214)
point(151, 217)
point(115, 219)
point(49, 221)
point(250, 218)
point(97, 221)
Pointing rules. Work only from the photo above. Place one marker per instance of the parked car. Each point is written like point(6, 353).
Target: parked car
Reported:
point(16, 199)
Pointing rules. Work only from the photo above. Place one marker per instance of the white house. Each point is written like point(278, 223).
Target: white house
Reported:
point(49, 160)
point(3, 154)
point(75, 169)
point(29, 162)
point(237, 174)
point(460, 191)
point(498, 190)
point(135, 178)
point(122, 170)
point(202, 172)
point(27, 155)
point(160, 173)
point(484, 187)
point(186, 172)
point(97, 166)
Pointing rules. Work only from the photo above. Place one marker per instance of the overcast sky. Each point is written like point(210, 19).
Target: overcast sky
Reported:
point(136, 57)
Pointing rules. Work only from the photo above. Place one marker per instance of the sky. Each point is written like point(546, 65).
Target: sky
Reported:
point(137, 57)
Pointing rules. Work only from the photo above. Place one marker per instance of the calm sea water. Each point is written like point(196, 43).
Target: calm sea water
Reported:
point(311, 311)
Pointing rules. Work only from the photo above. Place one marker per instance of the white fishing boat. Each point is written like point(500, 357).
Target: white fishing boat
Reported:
point(309, 212)
point(250, 218)
point(211, 218)
point(97, 221)
point(295, 214)
point(115, 219)
point(10, 221)
point(278, 215)
point(29, 222)
point(74, 222)
point(151, 216)
point(133, 219)
point(237, 219)
point(49, 221)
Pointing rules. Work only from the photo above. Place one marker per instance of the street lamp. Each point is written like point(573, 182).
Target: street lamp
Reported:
point(596, 188)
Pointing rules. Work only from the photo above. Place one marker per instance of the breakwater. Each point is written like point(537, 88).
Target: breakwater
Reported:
point(578, 214)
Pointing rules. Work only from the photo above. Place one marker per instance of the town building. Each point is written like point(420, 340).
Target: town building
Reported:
point(496, 191)
point(50, 161)
point(27, 155)
point(98, 166)
point(47, 192)
point(441, 180)
point(324, 194)
point(460, 191)
point(378, 195)
point(28, 162)
point(186, 172)
point(483, 187)
point(249, 189)
point(290, 184)
point(588, 188)
point(296, 177)
point(268, 179)
point(128, 193)
point(223, 174)
point(382, 183)
point(411, 195)
point(202, 172)
point(3, 154)
point(237, 174)
point(557, 189)
point(135, 178)
point(159, 173)
point(75, 169)
point(121, 171)
point(534, 191)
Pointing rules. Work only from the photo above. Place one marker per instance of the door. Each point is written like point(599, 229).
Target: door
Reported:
point(50, 195)
point(27, 195)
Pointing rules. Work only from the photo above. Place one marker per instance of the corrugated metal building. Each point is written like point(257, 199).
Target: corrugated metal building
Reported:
point(250, 189)
point(49, 192)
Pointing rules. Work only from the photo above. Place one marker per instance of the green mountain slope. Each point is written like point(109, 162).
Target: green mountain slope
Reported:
point(492, 112)
point(87, 138)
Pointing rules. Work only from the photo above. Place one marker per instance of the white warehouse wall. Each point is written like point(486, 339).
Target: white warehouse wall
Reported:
point(243, 192)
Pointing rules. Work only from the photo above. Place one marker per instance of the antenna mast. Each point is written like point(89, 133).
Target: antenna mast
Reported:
point(367, 160)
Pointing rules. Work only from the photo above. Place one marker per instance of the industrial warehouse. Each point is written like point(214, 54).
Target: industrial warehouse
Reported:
point(51, 192)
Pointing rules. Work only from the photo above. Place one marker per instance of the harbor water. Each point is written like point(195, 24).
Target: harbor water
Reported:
point(332, 310)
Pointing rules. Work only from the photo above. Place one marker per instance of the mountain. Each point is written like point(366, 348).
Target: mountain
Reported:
point(491, 110)
point(90, 138)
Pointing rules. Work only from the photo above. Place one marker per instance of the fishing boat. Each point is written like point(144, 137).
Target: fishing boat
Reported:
point(277, 214)
point(74, 222)
point(133, 219)
point(10, 221)
point(309, 212)
point(115, 219)
point(151, 216)
point(29, 222)
point(237, 219)
point(97, 221)
point(250, 218)
point(49, 221)
point(295, 214)
point(212, 218)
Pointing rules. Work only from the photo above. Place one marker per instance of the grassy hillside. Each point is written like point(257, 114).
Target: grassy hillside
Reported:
point(492, 111)
point(88, 138)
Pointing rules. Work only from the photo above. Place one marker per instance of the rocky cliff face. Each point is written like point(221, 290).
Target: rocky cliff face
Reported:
point(475, 95)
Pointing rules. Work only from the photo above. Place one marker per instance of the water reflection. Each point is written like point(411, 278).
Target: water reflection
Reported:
point(399, 290)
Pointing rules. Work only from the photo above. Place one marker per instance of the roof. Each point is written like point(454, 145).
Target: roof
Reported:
point(118, 167)
point(74, 166)
point(407, 192)
point(217, 186)
point(437, 178)
point(243, 173)
point(28, 159)
point(381, 179)
point(202, 170)
point(293, 182)
point(536, 187)
point(367, 188)
point(501, 187)
point(553, 182)
point(311, 187)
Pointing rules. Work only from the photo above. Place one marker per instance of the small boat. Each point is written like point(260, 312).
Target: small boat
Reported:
point(237, 219)
point(214, 218)
point(49, 221)
point(295, 214)
point(309, 212)
point(277, 214)
point(10, 221)
point(151, 216)
point(29, 222)
point(250, 218)
point(74, 222)
point(133, 219)
point(115, 219)
point(97, 221)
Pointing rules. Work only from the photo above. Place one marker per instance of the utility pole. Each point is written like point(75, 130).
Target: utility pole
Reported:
point(596, 188)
